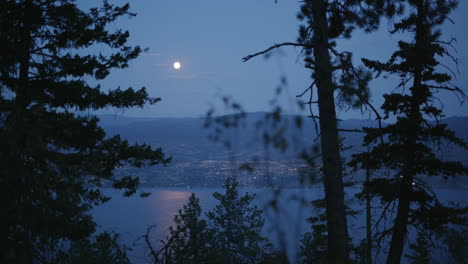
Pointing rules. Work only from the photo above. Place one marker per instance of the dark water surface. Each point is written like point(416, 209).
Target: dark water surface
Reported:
point(130, 217)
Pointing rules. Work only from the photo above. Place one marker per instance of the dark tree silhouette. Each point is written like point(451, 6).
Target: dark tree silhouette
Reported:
point(313, 248)
point(52, 158)
point(190, 240)
point(333, 71)
point(456, 244)
point(102, 248)
point(421, 249)
point(236, 226)
point(230, 234)
point(408, 145)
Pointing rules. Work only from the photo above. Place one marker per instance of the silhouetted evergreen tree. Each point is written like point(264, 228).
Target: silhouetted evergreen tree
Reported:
point(313, 248)
point(236, 226)
point(408, 146)
point(52, 158)
point(333, 72)
point(190, 240)
point(420, 249)
point(456, 244)
point(100, 249)
point(231, 234)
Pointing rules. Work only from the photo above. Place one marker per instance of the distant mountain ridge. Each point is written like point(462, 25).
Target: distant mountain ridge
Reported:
point(189, 130)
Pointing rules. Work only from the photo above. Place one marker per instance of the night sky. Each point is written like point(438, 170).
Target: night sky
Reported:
point(210, 37)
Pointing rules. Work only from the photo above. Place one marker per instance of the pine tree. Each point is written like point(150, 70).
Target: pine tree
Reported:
point(313, 247)
point(236, 226)
point(408, 146)
point(455, 239)
point(99, 249)
point(52, 158)
point(420, 249)
point(190, 239)
point(333, 72)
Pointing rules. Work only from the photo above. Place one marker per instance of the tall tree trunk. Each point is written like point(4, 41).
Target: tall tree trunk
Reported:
point(333, 182)
point(23, 251)
point(417, 95)
point(400, 226)
point(368, 223)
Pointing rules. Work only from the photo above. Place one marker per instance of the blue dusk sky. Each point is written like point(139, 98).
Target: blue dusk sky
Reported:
point(210, 37)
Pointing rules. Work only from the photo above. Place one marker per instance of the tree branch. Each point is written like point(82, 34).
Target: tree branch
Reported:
point(246, 58)
point(148, 243)
point(305, 91)
point(350, 130)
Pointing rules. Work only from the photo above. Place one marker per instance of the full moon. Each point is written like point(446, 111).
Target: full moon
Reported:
point(176, 65)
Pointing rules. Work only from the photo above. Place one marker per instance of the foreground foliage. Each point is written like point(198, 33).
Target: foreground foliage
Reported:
point(99, 249)
point(54, 157)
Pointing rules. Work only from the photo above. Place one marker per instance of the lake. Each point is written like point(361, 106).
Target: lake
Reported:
point(130, 217)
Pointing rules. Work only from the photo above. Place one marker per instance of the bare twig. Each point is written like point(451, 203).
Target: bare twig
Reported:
point(378, 117)
point(246, 58)
point(382, 215)
point(350, 130)
point(148, 243)
point(305, 91)
point(312, 111)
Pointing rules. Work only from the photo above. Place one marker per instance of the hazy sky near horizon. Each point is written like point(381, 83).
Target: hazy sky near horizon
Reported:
point(210, 37)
